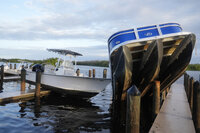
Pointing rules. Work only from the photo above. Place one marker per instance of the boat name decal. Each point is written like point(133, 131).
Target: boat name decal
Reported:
point(148, 34)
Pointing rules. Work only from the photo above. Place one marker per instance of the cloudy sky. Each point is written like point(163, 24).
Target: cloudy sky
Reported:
point(29, 27)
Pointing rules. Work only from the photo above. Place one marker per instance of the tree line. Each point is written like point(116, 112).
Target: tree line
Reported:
point(101, 63)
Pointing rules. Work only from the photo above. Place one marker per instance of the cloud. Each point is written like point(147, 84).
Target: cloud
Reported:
point(97, 20)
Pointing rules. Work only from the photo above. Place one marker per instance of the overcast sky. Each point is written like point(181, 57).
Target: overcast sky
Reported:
point(29, 27)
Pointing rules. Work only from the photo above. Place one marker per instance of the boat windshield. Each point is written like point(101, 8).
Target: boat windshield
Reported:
point(67, 64)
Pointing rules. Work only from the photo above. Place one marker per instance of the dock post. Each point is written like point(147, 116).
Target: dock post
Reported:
point(167, 90)
point(199, 77)
point(10, 66)
point(190, 98)
point(23, 79)
point(93, 70)
point(15, 66)
point(90, 73)
point(188, 86)
point(185, 78)
point(156, 98)
point(104, 73)
point(133, 110)
point(38, 83)
point(163, 96)
point(196, 106)
point(2, 76)
point(78, 72)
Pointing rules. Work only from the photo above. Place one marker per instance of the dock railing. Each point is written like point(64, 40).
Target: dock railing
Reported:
point(192, 89)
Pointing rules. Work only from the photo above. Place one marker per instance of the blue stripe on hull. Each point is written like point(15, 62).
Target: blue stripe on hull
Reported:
point(121, 38)
point(143, 32)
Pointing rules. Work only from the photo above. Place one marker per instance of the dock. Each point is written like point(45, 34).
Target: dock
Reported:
point(175, 115)
point(16, 96)
point(11, 78)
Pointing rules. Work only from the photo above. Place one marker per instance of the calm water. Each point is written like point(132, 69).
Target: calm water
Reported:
point(57, 113)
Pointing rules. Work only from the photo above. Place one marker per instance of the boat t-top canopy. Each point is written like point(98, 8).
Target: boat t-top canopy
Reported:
point(65, 52)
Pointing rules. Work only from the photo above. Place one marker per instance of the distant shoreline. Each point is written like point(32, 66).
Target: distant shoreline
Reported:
point(193, 67)
point(100, 63)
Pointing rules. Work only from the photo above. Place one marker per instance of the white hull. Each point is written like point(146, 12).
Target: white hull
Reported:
point(71, 83)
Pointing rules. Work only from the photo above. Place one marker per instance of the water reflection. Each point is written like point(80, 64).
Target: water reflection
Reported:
point(61, 113)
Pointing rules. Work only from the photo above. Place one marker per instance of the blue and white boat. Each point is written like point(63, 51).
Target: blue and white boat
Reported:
point(142, 55)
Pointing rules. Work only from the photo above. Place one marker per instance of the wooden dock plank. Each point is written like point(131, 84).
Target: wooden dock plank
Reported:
point(22, 96)
point(11, 78)
point(175, 115)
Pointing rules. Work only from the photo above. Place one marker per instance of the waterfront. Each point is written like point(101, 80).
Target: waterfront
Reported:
point(57, 113)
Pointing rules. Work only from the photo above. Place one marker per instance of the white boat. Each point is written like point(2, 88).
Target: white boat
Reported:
point(64, 78)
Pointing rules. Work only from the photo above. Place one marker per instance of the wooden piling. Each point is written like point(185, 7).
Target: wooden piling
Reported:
point(78, 72)
point(167, 90)
point(15, 66)
point(185, 78)
point(23, 79)
point(2, 76)
point(163, 95)
point(196, 106)
point(93, 72)
point(190, 98)
point(188, 86)
point(156, 98)
point(38, 83)
point(90, 73)
point(104, 73)
point(10, 66)
point(133, 110)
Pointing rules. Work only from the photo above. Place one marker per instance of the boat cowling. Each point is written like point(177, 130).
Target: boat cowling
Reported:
point(38, 67)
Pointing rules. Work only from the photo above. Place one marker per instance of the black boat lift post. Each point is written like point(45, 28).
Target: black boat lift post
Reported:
point(190, 98)
point(192, 89)
point(196, 106)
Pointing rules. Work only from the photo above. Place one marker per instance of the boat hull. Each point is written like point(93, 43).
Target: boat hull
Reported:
point(82, 86)
point(163, 59)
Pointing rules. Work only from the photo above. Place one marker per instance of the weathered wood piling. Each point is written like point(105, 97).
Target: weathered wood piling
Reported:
point(93, 73)
point(156, 99)
point(15, 66)
point(23, 79)
point(104, 73)
point(10, 66)
point(90, 73)
point(38, 83)
point(133, 110)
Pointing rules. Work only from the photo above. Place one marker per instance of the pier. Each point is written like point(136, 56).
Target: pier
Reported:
point(175, 114)
point(173, 110)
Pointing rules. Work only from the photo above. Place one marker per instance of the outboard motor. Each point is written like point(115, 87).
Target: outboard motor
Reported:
point(38, 67)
